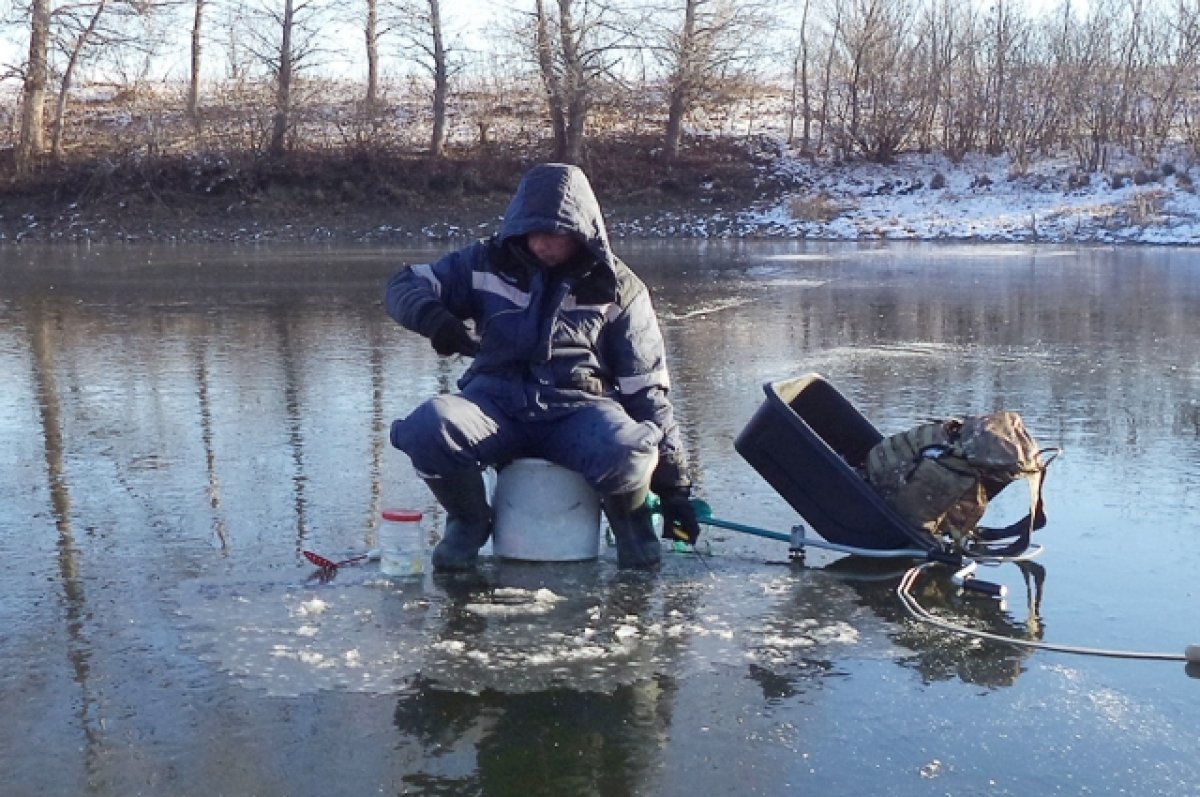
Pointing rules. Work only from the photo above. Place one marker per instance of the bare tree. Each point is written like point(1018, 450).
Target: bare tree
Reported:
point(800, 90)
point(441, 80)
point(285, 68)
point(937, 36)
point(711, 43)
point(87, 30)
point(881, 103)
point(74, 41)
point(827, 77)
point(963, 106)
point(371, 36)
point(1088, 83)
point(1006, 36)
point(193, 95)
point(32, 139)
point(1180, 59)
point(285, 45)
point(545, 50)
point(576, 44)
point(420, 25)
point(576, 97)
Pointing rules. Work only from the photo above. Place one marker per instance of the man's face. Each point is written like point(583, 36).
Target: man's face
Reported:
point(552, 248)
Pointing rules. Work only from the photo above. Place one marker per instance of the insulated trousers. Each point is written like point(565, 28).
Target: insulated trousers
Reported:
point(452, 433)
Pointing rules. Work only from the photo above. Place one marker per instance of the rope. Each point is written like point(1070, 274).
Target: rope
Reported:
point(904, 591)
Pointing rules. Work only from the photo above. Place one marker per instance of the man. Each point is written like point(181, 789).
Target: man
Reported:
point(568, 366)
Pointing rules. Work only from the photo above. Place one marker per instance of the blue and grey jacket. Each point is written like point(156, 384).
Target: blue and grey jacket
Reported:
point(550, 339)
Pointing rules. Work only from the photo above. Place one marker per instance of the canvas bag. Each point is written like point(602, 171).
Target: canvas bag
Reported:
point(940, 475)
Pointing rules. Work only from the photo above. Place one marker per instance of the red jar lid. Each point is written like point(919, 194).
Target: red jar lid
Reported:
point(402, 515)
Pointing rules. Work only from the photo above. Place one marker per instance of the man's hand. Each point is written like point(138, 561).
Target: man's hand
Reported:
point(679, 517)
point(451, 337)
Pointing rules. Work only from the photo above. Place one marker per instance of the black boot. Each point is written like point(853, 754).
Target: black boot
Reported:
point(632, 525)
point(468, 519)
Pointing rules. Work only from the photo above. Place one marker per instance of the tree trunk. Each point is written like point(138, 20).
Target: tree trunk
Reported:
point(193, 98)
point(554, 91)
point(995, 111)
point(805, 98)
point(32, 141)
point(827, 81)
point(800, 93)
point(441, 81)
point(371, 34)
point(576, 124)
point(283, 86)
point(575, 87)
point(674, 132)
point(680, 98)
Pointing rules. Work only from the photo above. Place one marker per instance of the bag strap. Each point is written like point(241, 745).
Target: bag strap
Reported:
point(1023, 529)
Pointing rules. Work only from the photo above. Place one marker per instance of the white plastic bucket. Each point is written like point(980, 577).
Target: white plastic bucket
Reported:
point(544, 513)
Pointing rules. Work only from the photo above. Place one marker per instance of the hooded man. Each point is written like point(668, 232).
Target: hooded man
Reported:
point(569, 366)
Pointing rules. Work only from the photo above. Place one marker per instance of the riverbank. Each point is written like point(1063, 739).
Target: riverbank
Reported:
point(721, 188)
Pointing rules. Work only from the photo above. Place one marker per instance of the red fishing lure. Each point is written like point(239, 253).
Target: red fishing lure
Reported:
point(329, 564)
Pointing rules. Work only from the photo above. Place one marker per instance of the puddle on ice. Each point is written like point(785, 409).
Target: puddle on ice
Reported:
point(512, 630)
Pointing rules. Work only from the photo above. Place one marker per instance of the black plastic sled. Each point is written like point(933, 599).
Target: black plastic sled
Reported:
point(811, 445)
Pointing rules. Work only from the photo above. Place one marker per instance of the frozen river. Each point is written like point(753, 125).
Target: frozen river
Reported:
point(178, 424)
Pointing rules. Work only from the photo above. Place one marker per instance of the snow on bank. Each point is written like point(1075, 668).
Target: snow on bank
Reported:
point(927, 197)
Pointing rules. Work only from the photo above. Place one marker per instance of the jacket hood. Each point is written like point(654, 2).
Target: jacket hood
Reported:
point(557, 197)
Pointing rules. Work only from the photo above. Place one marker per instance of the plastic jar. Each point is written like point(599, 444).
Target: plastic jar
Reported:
point(403, 544)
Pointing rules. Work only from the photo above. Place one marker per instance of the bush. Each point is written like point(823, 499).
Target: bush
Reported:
point(1078, 180)
point(938, 182)
point(1145, 207)
point(820, 208)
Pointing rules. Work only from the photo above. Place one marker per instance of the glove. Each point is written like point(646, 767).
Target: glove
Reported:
point(451, 337)
point(679, 517)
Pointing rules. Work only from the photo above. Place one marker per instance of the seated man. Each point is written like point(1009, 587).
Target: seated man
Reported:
point(568, 366)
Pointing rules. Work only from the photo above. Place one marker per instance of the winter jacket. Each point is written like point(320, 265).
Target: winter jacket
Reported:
point(551, 339)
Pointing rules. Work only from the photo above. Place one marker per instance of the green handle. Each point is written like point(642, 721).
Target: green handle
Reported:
point(704, 515)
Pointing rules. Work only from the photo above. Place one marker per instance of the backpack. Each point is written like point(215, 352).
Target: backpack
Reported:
point(940, 475)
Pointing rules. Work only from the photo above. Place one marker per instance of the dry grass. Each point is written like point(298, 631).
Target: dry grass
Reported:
point(1145, 207)
point(816, 208)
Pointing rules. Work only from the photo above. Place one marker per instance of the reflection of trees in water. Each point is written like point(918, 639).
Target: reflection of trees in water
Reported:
point(939, 655)
point(293, 408)
point(555, 742)
point(199, 352)
point(44, 327)
point(585, 736)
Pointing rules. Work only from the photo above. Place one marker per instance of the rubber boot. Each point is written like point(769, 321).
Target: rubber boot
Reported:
point(468, 519)
point(632, 525)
